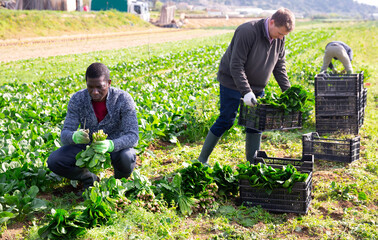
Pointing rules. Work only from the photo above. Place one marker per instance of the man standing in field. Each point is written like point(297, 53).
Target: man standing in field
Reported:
point(256, 50)
point(99, 106)
point(339, 51)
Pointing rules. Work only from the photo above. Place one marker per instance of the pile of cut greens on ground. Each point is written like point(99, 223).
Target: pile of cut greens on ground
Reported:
point(195, 188)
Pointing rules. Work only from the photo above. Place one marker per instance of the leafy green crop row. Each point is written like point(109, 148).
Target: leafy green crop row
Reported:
point(194, 188)
point(171, 93)
point(175, 94)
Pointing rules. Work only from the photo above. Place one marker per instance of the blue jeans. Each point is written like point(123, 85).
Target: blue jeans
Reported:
point(229, 105)
point(63, 162)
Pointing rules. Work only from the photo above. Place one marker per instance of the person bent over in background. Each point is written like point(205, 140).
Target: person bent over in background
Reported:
point(99, 106)
point(257, 50)
point(338, 51)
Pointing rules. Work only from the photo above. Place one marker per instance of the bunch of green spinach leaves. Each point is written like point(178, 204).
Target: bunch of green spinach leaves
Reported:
point(63, 225)
point(293, 99)
point(89, 158)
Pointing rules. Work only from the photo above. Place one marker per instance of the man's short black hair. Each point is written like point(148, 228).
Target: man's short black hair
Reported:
point(96, 70)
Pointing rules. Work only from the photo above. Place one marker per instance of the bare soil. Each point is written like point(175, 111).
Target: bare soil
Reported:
point(14, 231)
point(27, 48)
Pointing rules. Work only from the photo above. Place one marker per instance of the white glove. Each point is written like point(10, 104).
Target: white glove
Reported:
point(250, 99)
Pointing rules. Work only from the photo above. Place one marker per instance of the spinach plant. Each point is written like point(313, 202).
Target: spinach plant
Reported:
point(226, 180)
point(141, 190)
point(195, 178)
point(23, 204)
point(97, 211)
point(173, 193)
point(91, 159)
point(63, 225)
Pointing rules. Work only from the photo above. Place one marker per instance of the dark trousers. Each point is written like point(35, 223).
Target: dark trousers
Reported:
point(63, 163)
point(229, 105)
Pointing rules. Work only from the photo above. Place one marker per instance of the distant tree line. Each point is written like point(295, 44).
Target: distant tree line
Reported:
point(306, 7)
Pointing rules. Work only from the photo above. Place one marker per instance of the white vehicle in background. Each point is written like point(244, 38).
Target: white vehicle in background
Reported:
point(138, 8)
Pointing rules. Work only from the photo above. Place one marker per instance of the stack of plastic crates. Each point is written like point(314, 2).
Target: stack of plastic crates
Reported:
point(280, 200)
point(340, 102)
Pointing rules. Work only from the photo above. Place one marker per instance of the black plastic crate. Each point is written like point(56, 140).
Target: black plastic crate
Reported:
point(340, 105)
point(306, 164)
point(347, 124)
point(265, 117)
point(364, 97)
point(338, 84)
point(336, 105)
point(280, 200)
point(329, 149)
point(363, 103)
point(361, 116)
point(339, 120)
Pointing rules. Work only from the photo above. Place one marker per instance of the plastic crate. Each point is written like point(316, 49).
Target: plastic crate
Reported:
point(347, 150)
point(265, 117)
point(338, 84)
point(347, 124)
point(363, 103)
point(306, 164)
point(280, 200)
point(330, 105)
point(340, 105)
point(364, 97)
point(361, 116)
point(335, 115)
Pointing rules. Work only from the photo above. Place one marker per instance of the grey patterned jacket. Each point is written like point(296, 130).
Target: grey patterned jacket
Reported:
point(121, 123)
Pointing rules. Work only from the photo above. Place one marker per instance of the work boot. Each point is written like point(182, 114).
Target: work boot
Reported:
point(252, 144)
point(83, 175)
point(208, 146)
point(87, 178)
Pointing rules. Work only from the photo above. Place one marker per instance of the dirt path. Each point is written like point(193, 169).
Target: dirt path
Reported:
point(18, 49)
point(46, 47)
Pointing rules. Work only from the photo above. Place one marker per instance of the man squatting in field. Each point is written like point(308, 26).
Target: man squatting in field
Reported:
point(339, 51)
point(256, 50)
point(99, 106)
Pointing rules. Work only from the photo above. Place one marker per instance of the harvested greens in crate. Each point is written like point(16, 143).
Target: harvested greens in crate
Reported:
point(275, 112)
point(277, 184)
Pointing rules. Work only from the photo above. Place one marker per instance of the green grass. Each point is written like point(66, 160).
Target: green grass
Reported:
point(334, 213)
point(15, 24)
point(61, 66)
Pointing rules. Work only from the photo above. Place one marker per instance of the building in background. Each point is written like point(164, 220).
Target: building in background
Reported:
point(59, 5)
